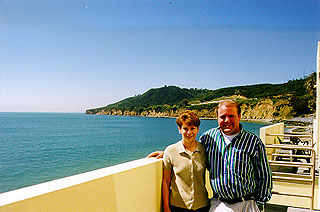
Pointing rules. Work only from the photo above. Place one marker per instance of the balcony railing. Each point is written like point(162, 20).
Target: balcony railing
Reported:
point(292, 158)
point(132, 186)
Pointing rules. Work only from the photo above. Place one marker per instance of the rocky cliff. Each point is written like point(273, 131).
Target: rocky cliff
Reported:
point(260, 101)
point(265, 109)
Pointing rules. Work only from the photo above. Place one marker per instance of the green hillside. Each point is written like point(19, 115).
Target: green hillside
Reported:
point(295, 87)
point(167, 95)
point(295, 93)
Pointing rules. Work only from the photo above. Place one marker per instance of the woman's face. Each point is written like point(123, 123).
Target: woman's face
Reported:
point(188, 132)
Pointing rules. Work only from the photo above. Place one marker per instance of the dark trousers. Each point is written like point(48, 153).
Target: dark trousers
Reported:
point(176, 209)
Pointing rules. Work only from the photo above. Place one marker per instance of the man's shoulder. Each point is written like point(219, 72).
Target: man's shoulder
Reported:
point(247, 135)
point(211, 131)
point(209, 135)
point(251, 134)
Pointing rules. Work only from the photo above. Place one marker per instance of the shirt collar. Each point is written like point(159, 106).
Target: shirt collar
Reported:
point(181, 148)
point(241, 130)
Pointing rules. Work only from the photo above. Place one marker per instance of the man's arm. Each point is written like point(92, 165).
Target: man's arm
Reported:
point(156, 154)
point(264, 176)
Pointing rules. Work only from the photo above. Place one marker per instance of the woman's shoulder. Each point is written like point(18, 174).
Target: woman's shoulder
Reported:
point(200, 146)
point(172, 147)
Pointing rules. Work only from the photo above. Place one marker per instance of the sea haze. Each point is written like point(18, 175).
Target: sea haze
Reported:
point(39, 147)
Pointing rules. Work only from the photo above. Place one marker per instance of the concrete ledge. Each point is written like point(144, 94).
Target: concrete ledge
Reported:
point(116, 188)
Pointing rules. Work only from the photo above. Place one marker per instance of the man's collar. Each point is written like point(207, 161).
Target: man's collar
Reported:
point(241, 128)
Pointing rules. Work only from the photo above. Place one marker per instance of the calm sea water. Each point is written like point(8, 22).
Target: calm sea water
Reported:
point(39, 147)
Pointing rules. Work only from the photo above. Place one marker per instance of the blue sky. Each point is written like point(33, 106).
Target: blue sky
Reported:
point(69, 56)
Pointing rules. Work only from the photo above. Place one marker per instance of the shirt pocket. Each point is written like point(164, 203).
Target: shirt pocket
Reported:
point(239, 160)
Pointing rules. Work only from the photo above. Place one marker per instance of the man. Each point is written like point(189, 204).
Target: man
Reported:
point(240, 174)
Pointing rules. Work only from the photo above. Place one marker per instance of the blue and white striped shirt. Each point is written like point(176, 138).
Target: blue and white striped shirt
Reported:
point(240, 168)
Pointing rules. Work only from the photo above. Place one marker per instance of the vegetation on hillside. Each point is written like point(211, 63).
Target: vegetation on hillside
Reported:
point(159, 99)
point(298, 95)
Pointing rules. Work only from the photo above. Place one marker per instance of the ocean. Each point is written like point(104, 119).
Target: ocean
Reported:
point(39, 147)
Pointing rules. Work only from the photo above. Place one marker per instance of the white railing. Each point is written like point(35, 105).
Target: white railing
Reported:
point(286, 156)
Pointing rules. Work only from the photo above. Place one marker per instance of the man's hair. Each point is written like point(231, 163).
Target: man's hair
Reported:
point(230, 102)
point(189, 118)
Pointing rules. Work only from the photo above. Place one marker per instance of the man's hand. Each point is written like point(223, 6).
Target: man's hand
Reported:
point(156, 154)
point(260, 206)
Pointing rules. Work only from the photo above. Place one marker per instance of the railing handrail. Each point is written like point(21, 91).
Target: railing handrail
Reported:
point(288, 146)
point(290, 135)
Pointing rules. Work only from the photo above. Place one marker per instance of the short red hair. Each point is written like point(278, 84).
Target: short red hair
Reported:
point(188, 117)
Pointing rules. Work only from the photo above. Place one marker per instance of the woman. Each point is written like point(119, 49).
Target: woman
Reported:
point(184, 169)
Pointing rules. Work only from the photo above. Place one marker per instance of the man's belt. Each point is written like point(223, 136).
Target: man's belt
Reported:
point(234, 201)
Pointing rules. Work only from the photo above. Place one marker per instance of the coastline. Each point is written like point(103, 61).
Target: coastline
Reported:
point(298, 121)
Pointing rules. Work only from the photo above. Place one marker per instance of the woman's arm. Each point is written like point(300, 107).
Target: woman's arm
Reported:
point(166, 179)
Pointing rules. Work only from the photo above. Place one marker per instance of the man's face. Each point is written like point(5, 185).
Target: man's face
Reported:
point(228, 119)
point(188, 132)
